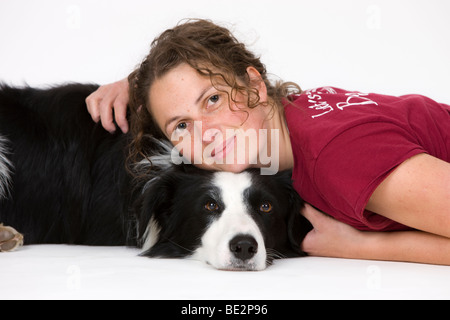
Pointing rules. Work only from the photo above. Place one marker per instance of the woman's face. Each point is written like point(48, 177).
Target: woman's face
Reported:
point(207, 127)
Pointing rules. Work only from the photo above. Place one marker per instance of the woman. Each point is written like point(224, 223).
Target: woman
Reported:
point(377, 165)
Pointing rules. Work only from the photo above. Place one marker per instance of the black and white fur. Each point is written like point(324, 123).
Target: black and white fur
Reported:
point(63, 180)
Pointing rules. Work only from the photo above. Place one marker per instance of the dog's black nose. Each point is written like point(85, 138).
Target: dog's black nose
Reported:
point(243, 247)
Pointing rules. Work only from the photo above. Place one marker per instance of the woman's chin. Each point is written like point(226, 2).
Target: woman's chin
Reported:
point(235, 168)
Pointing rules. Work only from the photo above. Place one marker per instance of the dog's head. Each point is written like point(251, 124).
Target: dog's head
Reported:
point(231, 221)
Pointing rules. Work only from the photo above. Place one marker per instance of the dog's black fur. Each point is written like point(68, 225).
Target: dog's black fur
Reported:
point(67, 181)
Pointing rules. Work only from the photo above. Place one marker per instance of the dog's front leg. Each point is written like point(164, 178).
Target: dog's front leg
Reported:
point(10, 239)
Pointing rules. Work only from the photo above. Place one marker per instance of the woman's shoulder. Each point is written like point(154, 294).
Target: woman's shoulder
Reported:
point(318, 116)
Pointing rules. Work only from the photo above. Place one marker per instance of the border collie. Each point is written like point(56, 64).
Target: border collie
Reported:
point(63, 180)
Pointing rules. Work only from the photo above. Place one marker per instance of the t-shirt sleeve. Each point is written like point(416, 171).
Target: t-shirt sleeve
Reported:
point(352, 165)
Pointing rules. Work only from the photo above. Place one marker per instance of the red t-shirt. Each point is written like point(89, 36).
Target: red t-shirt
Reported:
point(346, 143)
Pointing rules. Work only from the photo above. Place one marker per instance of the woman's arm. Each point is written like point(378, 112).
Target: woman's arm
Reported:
point(108, 103)
point(331, 238)
point(416, 194)
point(410, 246)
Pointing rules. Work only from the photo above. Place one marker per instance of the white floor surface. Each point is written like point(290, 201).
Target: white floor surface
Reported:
point(81, 272)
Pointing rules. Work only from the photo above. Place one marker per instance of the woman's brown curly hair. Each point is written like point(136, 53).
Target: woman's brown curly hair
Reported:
point(211, 50)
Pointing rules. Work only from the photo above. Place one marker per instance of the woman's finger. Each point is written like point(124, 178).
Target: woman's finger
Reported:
point(311, 214)
point(92, 103)
point(108, 103)
point(106, 115)
point(120, 112)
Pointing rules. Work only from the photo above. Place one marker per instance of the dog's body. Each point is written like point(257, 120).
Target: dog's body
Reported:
point(63, 175)
point(63, 180)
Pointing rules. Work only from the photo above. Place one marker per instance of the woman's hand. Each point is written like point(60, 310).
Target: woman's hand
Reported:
point(330, 238)
point(108, 103)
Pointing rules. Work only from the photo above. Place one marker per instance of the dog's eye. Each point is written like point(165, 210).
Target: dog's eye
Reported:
point(212, 206)
point(266, 207)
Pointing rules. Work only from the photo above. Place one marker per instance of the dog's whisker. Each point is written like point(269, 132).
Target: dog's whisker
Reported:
point(180, 246)
point(274, 254)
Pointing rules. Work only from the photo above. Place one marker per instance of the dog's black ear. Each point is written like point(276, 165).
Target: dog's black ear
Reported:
point(166, 249)
point(298, 226)
point(152, 206)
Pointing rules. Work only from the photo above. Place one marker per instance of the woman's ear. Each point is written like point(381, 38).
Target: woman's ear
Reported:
point(257, 82)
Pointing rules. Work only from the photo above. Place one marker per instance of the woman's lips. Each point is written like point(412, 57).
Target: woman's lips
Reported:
point(227, 146)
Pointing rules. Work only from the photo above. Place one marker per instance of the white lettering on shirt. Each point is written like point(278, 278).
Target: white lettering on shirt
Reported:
point(324, 107)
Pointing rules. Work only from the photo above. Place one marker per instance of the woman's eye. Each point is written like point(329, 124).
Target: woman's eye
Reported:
point(182, 126)
point(180, 129)
point(213, 100)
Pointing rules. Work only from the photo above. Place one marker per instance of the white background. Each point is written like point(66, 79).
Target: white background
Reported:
point(385, 46)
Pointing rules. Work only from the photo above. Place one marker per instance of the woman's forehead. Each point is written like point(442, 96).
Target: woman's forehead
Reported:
point(177, 90)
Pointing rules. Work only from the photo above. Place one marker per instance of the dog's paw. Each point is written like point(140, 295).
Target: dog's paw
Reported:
point(10, 239)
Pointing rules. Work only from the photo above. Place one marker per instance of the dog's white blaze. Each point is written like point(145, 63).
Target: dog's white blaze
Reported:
point(234, 220)
point(5, 169)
